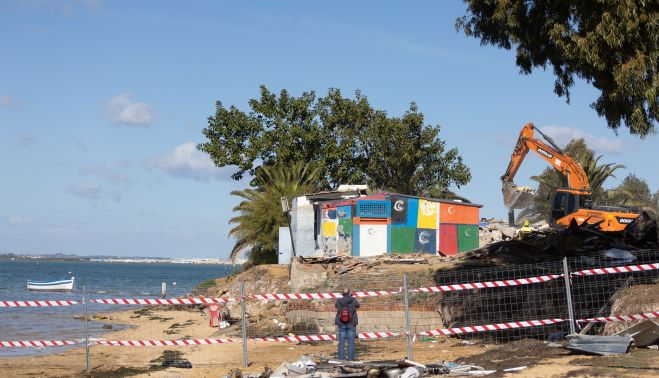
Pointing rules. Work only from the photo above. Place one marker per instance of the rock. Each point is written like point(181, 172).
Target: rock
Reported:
point(304, 276)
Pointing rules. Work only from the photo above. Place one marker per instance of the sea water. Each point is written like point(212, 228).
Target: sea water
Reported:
point(100, 279)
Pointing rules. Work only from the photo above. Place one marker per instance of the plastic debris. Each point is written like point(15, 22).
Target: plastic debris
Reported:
point(519, 368)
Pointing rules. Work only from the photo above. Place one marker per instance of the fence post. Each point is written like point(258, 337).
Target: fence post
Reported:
point(408, 328)
point(568, 294)
point(244, 323)
point(84, 300)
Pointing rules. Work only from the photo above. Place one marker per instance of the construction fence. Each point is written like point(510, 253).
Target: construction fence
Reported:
point(547, 301)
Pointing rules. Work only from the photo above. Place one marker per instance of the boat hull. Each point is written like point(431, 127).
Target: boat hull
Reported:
point(65, 285)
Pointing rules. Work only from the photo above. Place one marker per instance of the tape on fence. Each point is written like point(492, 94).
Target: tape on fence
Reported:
point(36, 343)
point(620, 318)
point(329, 337)
point(488, 284)
point(37, 303)
point(617, 269)
point(181, 342)
point(155, 301)
point(358, 294)
point(490, 327)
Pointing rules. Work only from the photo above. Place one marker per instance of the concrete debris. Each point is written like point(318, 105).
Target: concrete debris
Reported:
point(323, 367)
point(502, 245)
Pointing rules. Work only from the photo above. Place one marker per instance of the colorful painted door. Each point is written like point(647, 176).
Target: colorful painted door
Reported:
point(372, 239)
point(448, 239)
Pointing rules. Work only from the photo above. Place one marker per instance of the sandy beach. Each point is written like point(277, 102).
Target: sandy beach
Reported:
point(207, 360)
point(217, 360)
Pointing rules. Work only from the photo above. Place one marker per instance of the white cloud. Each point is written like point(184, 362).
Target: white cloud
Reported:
point(9, 102)
point(123, 111)
point(20, 220)
point(187, 162)
point(600, 144)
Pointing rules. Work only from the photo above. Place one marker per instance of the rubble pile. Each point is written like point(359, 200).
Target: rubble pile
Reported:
point(324, 367)
point(501, 244)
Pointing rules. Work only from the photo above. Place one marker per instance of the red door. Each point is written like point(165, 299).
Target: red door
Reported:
point(448, 239)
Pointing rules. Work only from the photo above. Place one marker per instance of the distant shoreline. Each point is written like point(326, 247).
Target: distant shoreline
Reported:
point(120, 260)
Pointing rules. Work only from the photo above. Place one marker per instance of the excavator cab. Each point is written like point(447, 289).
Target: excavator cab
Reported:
point(567, 201)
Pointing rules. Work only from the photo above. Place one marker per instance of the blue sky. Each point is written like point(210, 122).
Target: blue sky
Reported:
point(102, 103)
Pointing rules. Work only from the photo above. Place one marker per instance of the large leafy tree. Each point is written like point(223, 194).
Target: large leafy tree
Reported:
point(259, 214)
point(611, 44)
point(634, 191)
point(346, 139)
point(551, 179)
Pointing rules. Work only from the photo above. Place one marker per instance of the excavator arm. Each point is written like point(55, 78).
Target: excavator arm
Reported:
point(515, 197)
point(567, 206)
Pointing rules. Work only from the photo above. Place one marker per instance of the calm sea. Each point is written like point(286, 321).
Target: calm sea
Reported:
point(101, 280)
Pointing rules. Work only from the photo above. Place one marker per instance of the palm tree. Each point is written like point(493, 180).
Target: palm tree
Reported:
point(256, 226)
point(634, 191)
point(597, 174)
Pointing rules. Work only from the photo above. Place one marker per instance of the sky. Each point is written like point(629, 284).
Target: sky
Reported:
point(102, 104)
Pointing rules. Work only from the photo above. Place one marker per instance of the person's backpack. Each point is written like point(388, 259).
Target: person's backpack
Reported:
point(345, 316)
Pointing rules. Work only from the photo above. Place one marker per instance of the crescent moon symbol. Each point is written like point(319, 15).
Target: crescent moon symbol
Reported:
point(451, 210)
point(468, 233)
point(423, 238)
point(371, 231)
point(398, 206)
point(428, 209)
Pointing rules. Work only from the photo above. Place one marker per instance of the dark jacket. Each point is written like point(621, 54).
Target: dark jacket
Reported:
point(352, 305)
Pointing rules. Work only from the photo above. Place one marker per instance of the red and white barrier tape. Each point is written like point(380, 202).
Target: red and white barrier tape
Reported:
point(620, 318)
point(358, 294)
point(37, 343)
point(488, 284)
point(330, 337)
point(181, 342)
point(37, 303)
point(490, 327)
point(617, 269)
point(284, 339)
point(155, 301)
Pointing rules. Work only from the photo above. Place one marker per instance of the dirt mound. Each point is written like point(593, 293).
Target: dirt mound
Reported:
point(632, 300)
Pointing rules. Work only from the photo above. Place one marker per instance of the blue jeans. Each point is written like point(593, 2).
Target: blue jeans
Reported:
point(347, 331)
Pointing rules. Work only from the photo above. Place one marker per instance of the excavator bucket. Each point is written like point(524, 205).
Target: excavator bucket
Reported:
point(516, 197)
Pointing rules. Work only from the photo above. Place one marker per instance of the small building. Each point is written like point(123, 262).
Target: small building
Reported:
point(349, 222)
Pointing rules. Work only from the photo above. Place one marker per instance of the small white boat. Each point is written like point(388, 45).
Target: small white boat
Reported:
point(63, 285)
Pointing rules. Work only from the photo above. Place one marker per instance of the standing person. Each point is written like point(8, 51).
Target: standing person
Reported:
point(346, 320)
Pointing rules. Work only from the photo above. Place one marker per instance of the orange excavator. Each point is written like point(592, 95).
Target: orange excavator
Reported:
point(571, 203)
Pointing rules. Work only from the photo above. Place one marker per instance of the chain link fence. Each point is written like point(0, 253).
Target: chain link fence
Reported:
point(491, 304)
